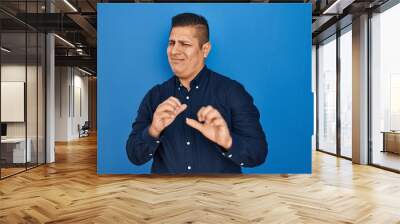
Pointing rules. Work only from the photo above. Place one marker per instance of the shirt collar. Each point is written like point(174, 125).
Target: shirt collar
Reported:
point(197, 81)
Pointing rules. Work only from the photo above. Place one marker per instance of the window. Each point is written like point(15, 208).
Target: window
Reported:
point(346, 92)
point(385, 88)
point(327, 95)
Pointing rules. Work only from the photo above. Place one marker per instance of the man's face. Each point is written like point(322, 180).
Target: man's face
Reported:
point(185, 55)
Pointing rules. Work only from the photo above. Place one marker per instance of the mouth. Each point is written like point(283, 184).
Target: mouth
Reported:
point(177, 60)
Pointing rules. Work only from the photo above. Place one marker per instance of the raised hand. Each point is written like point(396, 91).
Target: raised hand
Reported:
point(165, 114)
point(212, 125)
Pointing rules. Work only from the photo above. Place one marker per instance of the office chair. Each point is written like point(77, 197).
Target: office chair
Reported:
point(84, 130)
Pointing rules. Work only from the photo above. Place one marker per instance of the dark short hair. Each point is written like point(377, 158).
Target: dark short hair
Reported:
point(197, 21)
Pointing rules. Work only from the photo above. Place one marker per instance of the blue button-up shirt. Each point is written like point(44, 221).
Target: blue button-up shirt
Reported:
point(183, 149)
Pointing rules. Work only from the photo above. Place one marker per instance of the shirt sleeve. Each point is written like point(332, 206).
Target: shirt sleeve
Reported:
point(140, 145)
point(249, 144)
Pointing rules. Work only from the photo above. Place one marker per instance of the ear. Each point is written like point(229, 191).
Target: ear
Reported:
point(206, 48)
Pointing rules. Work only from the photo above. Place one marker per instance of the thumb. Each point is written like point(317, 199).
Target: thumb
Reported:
point(194, 124)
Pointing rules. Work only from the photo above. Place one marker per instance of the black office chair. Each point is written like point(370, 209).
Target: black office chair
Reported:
point(84, 130)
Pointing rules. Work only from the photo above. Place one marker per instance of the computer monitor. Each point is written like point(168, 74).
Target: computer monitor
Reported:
point(3, 129)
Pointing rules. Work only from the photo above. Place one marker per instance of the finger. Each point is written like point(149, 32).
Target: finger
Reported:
point(211, 115)
point(172, 103)
point(199, 113)
point(165, 115)
point(218, 122)
point(206, 110)
point(202, 116)
point(175, 100)
point(194, 124)
point(167, 107)
point(181, 108)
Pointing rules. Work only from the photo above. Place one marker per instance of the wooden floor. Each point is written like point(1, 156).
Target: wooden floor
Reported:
point(70, 191)
point(5, 172)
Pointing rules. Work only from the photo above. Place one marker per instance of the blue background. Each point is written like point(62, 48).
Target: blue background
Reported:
point(266, 47)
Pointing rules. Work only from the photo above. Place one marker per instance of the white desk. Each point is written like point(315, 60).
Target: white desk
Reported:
point(18, 144)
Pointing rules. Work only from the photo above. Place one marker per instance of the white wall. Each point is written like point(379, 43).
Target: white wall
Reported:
point(81, 103)
point(61, 103)
point(12, 73)
point(17, 73)
point(71, 93)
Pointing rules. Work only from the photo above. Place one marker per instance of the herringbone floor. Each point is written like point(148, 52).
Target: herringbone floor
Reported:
point(70, 191)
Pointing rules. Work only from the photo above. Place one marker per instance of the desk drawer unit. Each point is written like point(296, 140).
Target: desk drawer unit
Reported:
point(391, 142)
point(13, 151)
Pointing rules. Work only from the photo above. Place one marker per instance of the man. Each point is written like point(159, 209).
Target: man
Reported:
point(198, 121)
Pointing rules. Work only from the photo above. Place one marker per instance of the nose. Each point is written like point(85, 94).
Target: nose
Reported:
point(175, 49)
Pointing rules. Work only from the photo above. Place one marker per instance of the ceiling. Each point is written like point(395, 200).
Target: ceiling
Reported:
point(76, 22)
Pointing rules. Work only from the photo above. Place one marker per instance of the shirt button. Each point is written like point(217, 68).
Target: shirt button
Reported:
point(187, 97)
point(187, 143)
point(179, 88)
point(150, 154)
point(189, 167)
point(157, 141)
point(230, 155)
point(197, 87)
point(241, 164)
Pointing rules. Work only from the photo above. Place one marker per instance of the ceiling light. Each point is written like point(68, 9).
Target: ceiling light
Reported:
point(71, 6)
point(65, 41)
point(329, 9)
point(338, 6)
point(5, 50)
point(84, 71)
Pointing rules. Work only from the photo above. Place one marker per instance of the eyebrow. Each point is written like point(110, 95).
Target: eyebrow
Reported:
point(181, 41)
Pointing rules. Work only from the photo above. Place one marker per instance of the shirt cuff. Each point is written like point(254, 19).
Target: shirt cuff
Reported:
point(151, 142)
point(234, 152)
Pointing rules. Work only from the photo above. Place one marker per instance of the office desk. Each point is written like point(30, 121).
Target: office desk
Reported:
point(391, 141)
point(13, 150)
